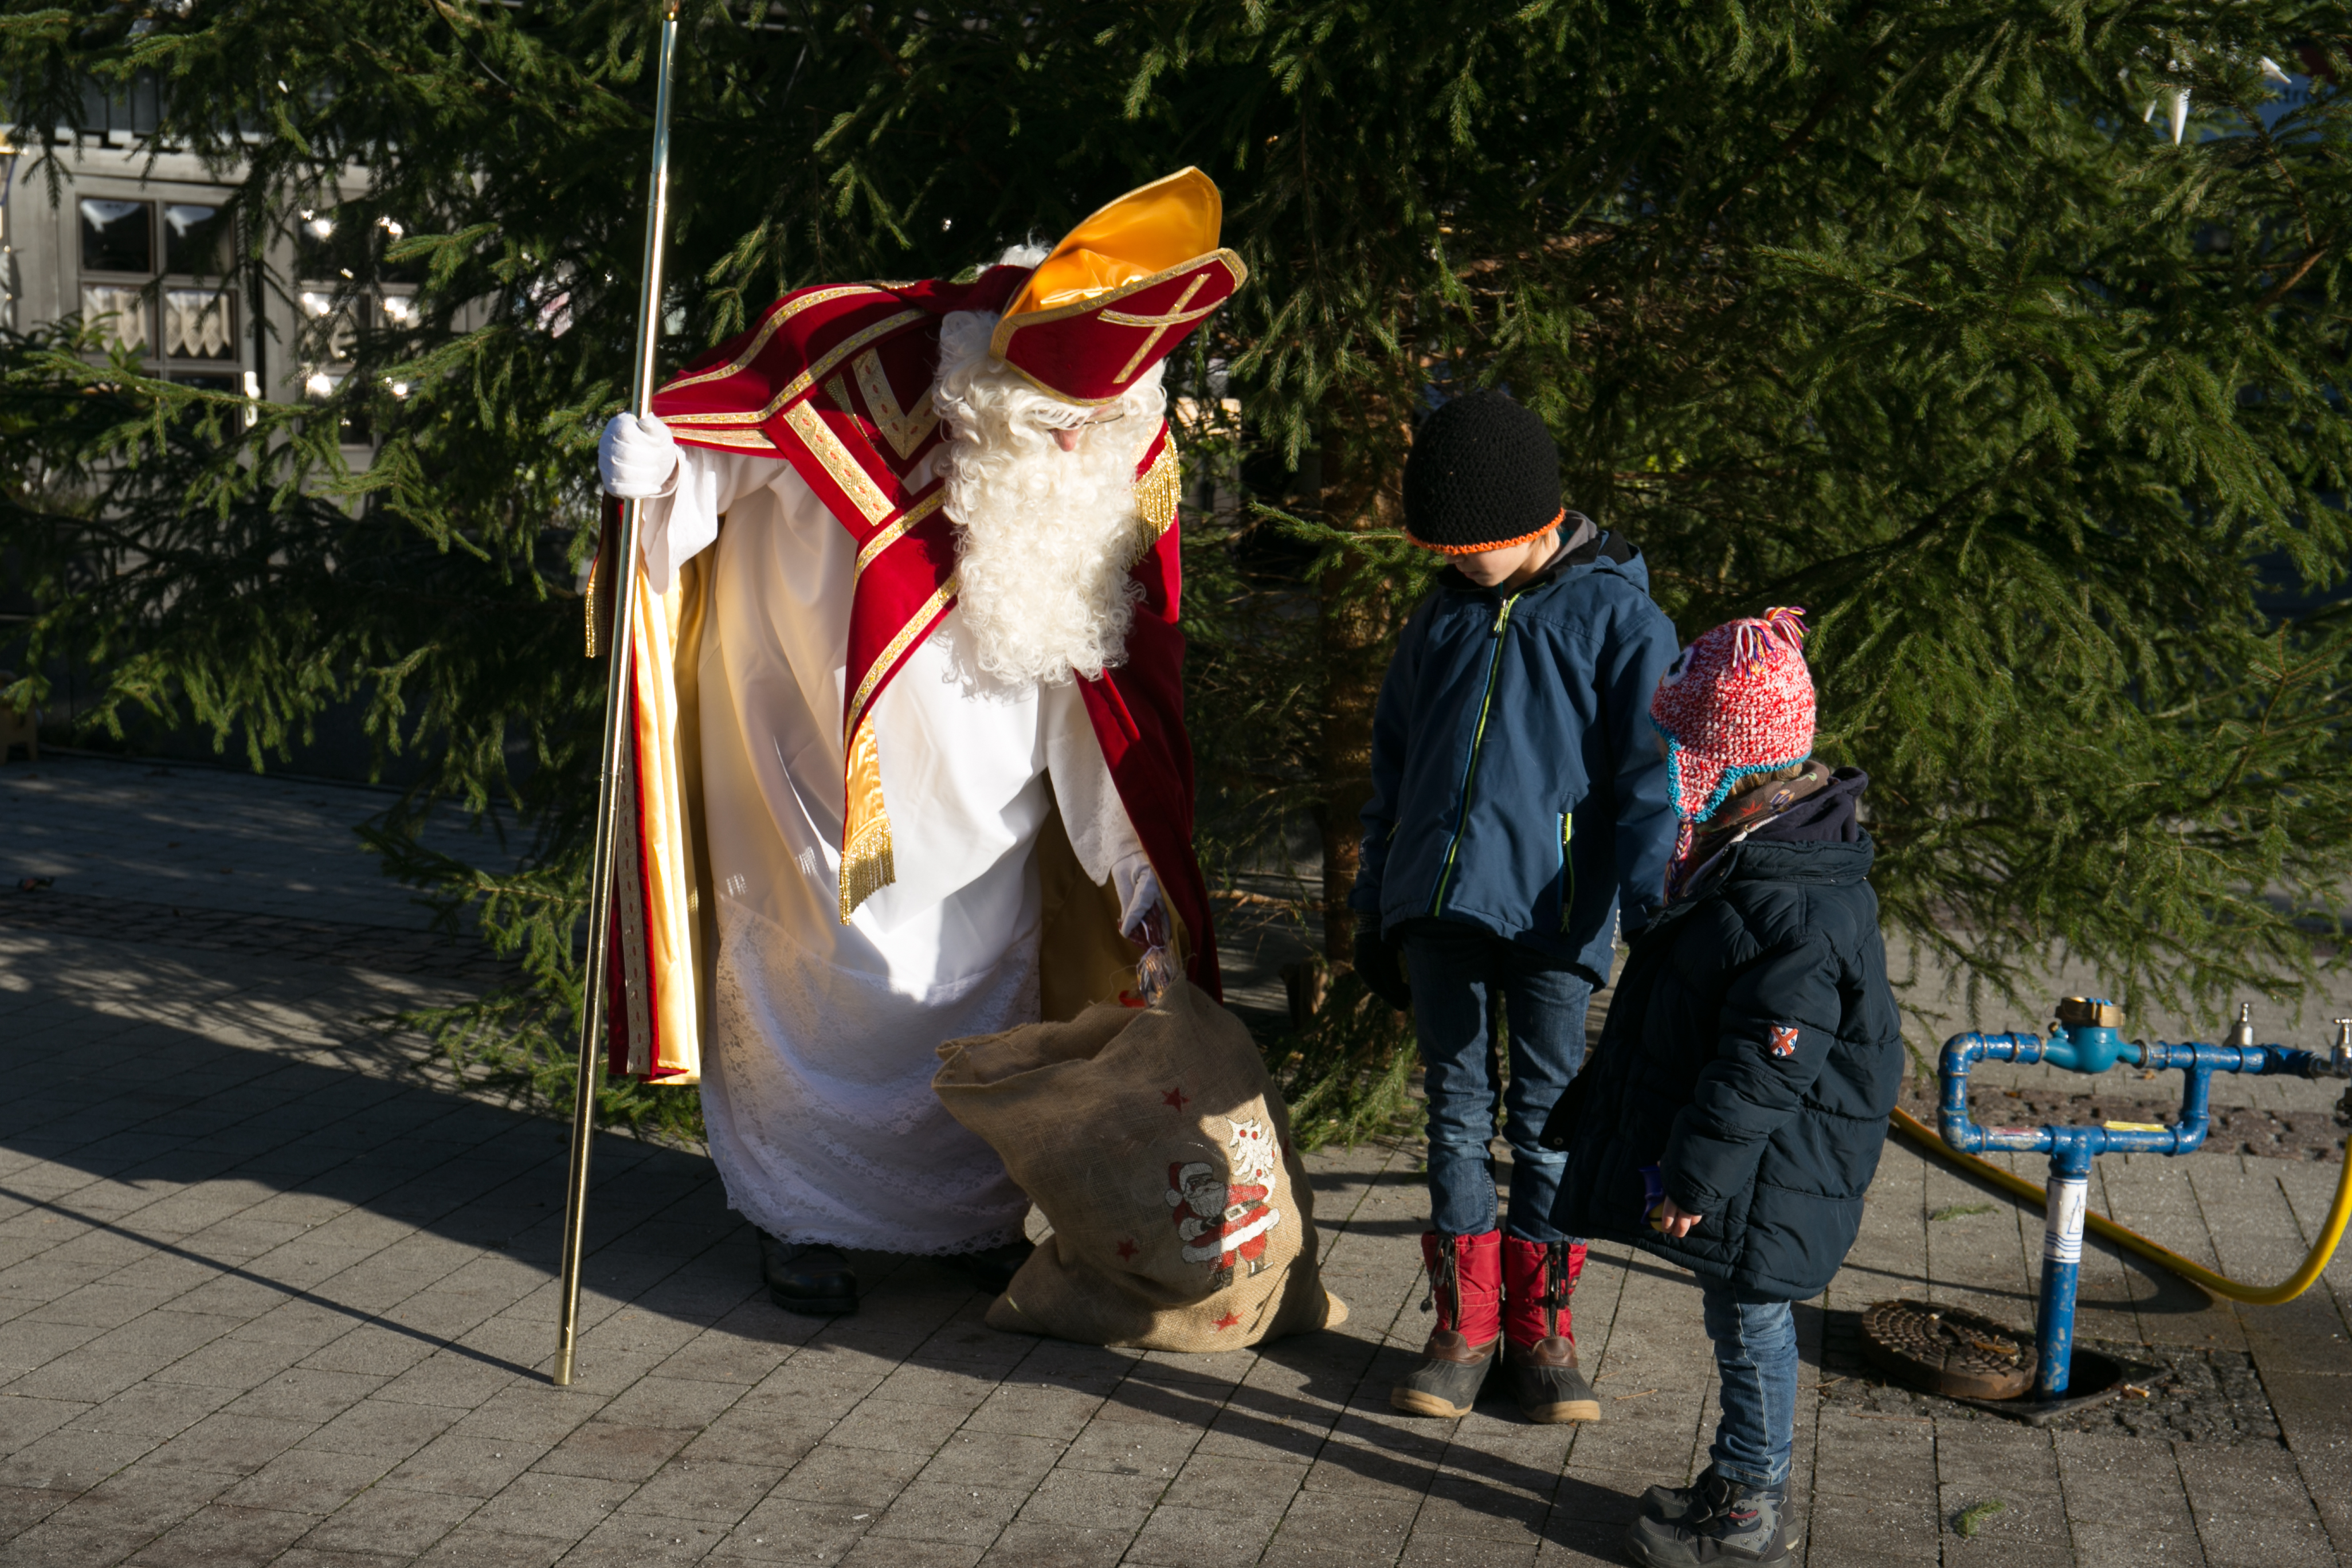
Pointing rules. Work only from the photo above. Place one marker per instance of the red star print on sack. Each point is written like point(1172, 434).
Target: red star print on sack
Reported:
point(1174, 1099)
point(1784, 1039)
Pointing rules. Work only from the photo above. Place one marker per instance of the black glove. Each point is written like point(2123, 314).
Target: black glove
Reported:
point(1382, 966)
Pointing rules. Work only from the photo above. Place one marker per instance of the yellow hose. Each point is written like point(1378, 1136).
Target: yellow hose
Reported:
point(2338, 1213)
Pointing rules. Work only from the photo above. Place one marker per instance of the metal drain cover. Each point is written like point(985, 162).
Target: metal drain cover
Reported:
point(1947, 1349)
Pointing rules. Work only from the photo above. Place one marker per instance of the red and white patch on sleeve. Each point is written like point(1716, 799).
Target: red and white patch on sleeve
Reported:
point(1784, 1039)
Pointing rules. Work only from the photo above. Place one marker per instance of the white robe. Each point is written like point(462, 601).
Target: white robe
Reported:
point(816, 1087)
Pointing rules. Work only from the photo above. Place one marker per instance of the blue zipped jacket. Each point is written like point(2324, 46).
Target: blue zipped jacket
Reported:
point(1517, 783)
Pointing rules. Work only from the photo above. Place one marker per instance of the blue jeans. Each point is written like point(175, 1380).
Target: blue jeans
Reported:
point(1756, 1359)
point(1458, 973)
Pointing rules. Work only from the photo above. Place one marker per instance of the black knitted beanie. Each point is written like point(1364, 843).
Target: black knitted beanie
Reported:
point(1483, 473)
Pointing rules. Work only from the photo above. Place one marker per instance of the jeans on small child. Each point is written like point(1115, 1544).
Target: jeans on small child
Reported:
point(1756, 1359)
point(1456, 973)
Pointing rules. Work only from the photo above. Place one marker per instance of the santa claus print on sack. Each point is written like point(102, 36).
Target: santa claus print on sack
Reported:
point(1222, 1219)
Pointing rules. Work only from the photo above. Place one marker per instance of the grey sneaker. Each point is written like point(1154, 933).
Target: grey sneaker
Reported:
point(1671, 1504)
point(1727, 1522)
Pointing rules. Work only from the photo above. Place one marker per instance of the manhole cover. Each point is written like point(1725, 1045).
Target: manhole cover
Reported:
point(1947, 1351)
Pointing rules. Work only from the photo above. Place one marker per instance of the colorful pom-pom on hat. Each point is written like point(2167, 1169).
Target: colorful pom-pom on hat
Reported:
point(1739, 700)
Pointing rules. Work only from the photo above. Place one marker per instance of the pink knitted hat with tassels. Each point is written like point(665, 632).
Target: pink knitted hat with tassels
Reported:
point(1737, 702)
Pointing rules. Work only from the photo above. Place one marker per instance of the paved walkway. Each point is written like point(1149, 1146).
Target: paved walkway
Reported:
point(275, 1289)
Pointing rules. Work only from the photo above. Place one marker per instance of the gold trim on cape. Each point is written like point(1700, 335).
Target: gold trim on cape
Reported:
point(816, 372)
point(769, 328)
point(897, 531)
point(904, 429)
point(842, 468)
point(868, 863)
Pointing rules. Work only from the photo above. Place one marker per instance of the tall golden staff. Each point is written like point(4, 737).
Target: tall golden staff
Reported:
point(622, 563)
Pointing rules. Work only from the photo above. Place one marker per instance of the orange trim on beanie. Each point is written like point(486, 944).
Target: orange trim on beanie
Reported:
point(1557, 518)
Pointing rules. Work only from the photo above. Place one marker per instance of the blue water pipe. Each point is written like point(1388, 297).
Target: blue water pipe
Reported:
point(2086, 1040)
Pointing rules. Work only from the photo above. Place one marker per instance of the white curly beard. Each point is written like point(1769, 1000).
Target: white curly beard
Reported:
point(1045, 538)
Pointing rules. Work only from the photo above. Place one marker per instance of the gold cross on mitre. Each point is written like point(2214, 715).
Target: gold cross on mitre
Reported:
point(1160, 325)
point(1055, 330)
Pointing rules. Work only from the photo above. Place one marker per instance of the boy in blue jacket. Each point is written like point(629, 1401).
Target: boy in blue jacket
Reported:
point(1518, 807)
point(1734, 1110)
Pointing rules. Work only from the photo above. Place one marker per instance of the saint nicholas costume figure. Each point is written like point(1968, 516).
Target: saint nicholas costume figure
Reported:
point(906, 758)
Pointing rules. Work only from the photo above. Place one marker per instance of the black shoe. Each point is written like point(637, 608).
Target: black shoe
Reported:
point(1446, 1383)
point(1726, 1523)
point(809, 1277)
point(992, 1268)
point(1545, 1382)
point(1669, 1505)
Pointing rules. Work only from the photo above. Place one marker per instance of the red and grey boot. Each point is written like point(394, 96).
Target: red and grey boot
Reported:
point(1465, 1286)
point(1539, 1335)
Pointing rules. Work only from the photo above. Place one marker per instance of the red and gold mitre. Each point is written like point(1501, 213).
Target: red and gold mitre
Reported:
point(1120, 292)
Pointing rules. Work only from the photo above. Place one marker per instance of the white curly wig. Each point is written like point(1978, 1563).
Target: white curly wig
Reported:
point(1045, 538)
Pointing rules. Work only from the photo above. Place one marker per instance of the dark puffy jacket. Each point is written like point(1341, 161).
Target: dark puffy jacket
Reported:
point(1752, 1052)
point(1516, 782)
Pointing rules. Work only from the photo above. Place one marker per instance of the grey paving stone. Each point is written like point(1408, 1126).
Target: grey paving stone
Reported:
point(706, 1493)
point(2255, 1540)
point(392, 1428)
point(389, 1520)
point(613, 1451)
point(958, 1512)
point(471, 1546)
point(221, 1535)
point(868, 1477)
point(1178, 1537)
point(239, 1444)
point(71, 1459)
point(1058, 1545)
point(1845, 1529)
point(300, 1556)
point(305, 1480)
point(558, 1507)
point(797, 1530)
point(2099, 1545)
point(895, 1552)
point(459, 1466)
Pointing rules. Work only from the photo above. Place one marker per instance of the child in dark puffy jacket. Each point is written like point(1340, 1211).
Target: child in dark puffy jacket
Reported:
point(1734, 1111)
point(1519, 807)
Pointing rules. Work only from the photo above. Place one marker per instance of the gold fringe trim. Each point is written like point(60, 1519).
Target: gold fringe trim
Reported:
point(1157, 491)
point(593, 601)
point(867, 862)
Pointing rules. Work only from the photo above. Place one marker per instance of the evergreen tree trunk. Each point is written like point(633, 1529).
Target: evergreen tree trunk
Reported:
point(1362, 493)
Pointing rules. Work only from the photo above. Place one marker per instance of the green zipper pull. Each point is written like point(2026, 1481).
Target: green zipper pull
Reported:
point(1502, 615)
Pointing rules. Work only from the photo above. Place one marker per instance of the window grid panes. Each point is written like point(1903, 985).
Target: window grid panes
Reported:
point(183, 314)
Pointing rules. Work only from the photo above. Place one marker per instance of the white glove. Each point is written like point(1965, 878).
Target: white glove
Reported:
point(1138, 901)
point(637, 457)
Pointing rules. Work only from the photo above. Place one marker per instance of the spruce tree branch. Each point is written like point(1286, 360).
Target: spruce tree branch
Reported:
point(2277, 292)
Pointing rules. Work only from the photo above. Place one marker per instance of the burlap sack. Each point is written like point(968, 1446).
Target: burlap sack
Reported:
point(1159, 1151)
